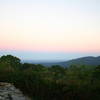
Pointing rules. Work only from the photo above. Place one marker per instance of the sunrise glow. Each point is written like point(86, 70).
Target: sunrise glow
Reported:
point(50, 25)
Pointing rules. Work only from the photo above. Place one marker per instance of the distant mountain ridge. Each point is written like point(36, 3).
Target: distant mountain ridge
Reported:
point(89, 60)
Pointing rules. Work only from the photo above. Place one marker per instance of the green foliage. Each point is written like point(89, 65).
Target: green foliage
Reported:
point(52, 83)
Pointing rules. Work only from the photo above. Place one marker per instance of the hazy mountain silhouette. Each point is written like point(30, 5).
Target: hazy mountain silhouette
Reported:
point(83, 61)
point(90, 60)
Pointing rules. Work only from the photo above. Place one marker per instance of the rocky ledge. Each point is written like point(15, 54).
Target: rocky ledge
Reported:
point(9, 92)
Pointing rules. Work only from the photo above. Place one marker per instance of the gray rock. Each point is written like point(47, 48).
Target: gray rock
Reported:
point(9, 92)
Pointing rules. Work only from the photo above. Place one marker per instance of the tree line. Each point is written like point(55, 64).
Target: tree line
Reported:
point(77, 82)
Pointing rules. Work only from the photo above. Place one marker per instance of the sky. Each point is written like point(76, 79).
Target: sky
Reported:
point(50, 29)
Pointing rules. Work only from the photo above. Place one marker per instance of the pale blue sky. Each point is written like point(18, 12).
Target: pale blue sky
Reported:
point(46, 56)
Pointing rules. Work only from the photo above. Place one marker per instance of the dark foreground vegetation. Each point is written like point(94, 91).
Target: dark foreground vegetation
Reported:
point(52, 83)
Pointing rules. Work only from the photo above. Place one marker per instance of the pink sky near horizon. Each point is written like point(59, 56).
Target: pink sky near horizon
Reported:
point(74, 46)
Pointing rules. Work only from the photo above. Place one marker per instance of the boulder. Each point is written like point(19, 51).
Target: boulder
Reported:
point(9, 92)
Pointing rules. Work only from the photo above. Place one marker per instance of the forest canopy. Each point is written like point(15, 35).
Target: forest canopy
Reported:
point(77, 82)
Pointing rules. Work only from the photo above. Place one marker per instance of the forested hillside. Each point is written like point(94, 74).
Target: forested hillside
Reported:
point(77, 82)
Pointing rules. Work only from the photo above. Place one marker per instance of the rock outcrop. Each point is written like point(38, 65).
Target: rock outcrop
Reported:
point(9, 92)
